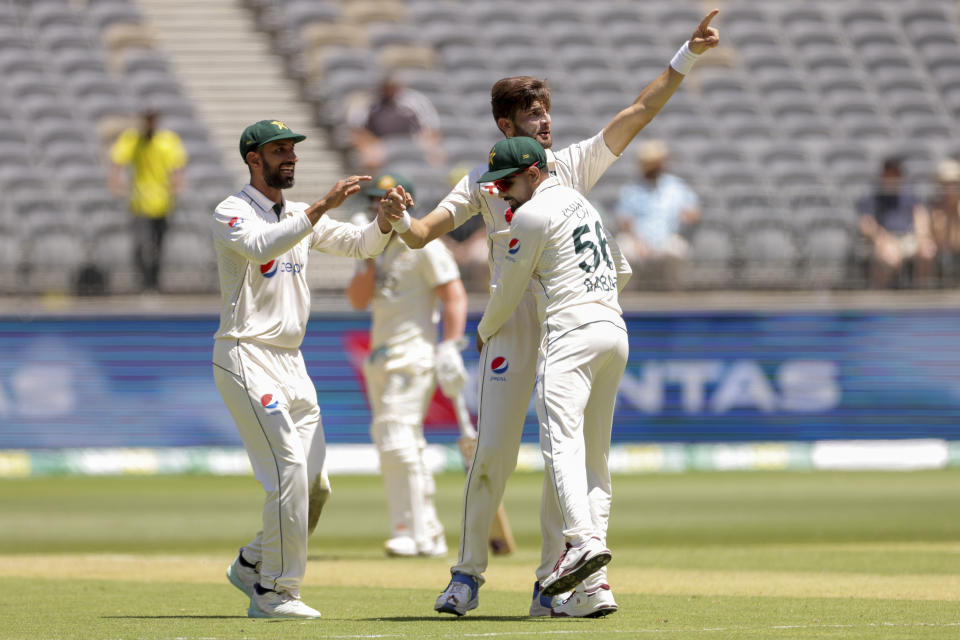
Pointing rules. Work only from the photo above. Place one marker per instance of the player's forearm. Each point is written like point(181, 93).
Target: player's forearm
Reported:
point(177, 180)
point(266, 242)
point(628, 123)
point(454, 310)
point(622, 266)
point(430, 227)
point(361, 288)
point(115, 180)
point(503, 301)
point(317, 210)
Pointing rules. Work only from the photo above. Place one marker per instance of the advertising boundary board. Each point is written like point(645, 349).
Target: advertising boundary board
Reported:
point(693, 379)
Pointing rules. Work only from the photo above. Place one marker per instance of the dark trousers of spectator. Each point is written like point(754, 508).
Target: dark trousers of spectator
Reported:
point(148, 244)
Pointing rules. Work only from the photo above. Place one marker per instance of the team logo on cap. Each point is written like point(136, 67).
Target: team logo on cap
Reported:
point(386, 182)
point(279, 125)
point(268, 402)
point(269, 270)
point(514, 245)
point(499, 365)
point(234, 222)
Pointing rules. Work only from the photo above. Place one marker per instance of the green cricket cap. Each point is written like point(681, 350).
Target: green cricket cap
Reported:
point(512, 155)
point(260, 133)
point(386, 181)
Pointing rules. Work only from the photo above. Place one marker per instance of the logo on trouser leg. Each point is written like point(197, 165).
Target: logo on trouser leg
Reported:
point(499, 367)
point(268, 402)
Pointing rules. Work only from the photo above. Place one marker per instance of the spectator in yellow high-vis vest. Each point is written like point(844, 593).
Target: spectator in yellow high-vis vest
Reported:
point(147, 168)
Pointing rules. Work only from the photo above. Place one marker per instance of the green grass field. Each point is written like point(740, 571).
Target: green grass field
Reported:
point(698, 555)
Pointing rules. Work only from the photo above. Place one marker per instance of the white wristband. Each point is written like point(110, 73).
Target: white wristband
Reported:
point(402, 225)
point(683, 60)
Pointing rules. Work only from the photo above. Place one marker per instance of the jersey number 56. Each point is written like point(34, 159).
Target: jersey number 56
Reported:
point(582, 245)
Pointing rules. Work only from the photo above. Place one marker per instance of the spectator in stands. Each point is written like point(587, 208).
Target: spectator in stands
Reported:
point(147, 168)
point(945, 217)
point(394, 111)
point(652, 215)
point(895, 222)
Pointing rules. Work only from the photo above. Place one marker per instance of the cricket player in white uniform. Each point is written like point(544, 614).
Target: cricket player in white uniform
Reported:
point(521, 107)
point(403, 287)
point(558, 240)
point(262, 243)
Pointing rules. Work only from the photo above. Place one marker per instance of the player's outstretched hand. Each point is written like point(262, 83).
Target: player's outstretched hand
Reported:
point(343, 190)
point(705, 37)
point(394, 202)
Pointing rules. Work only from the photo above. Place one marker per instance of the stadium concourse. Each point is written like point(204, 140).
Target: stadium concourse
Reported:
point(779, 131)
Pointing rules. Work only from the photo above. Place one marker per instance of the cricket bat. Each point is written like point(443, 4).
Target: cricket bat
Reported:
point(501, 535)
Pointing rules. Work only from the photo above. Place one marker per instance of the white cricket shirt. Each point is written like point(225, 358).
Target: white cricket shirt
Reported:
point(262, 261)
point(558, 239)
point(578, 166)
point(404, 305)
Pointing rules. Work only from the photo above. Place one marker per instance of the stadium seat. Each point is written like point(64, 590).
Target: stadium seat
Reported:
point(712, 255)
point(299, 13)
point(366, 11)
point(53, 260)
point(11, 262)
point(439, 36)
point(827, 255)
point(188, 262)
point(770, 257)
point(102, 14)
point(675, 21)
point(112, 253)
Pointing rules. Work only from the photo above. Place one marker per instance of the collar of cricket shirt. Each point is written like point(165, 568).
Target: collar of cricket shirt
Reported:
point(266, 204)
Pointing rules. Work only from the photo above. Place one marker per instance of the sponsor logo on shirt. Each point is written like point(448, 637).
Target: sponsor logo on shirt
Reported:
point(514, 246)
point(273, 267)
point(234, 222)
point(269, 270)
point(508, 215)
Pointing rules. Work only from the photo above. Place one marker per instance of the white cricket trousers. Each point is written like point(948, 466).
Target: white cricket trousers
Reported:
point(578, 374)
point(274, 404)
point(400, 383)
point(507, 372)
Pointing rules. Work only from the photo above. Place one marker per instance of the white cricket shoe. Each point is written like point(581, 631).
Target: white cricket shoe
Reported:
point(595, 603)
point(400, 547)
point(575, 565)
point(460, 595)
point(541, 605)
point(437, 548)
point(242, 575)
point(265, 603)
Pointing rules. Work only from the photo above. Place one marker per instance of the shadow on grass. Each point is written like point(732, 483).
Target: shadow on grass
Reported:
point(458, 619)
point(352, 557)
point(182, 617)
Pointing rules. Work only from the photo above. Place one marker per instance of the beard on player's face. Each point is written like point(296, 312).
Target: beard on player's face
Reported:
point(278, 176)
point(533, 123)
point(536, 130)
point(520, 191)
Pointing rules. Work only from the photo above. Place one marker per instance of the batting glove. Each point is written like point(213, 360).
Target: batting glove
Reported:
point(451, 374)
